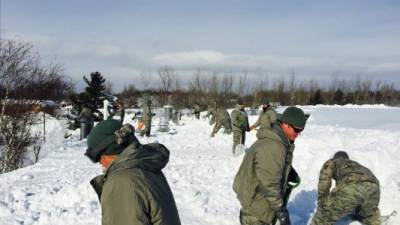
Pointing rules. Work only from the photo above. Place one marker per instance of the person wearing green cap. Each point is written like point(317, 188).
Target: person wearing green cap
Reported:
point(133, 190)
point(240, 124)
point(266, 176)
point(356, 192)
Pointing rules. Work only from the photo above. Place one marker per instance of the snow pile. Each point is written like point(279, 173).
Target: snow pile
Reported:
point(56, 190)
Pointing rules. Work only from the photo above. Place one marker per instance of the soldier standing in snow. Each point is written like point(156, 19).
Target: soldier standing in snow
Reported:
point(268, 116)
point(197, 110)
point(146, 115)
point(222, 119)
point(86, 120)
point(356, 189)
point(133, 189)
point(240, 124)
point(266, 176)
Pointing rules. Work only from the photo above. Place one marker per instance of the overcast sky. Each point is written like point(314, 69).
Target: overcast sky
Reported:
point(121, 39)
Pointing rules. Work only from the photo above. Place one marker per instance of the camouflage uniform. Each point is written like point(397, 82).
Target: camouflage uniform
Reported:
point(222, 119)
point(240, 124)
point(356, 188)
point(267, 116)
point(146, 118)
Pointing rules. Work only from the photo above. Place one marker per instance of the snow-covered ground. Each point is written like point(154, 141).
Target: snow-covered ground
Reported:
point(56, 190)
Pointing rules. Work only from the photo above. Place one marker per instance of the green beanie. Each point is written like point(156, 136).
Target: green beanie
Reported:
point(102, 141)
point(341, 154)
point(294, 116)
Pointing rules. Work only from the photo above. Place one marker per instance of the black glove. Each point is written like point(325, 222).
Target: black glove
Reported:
point(283, 216)
point(293, 178)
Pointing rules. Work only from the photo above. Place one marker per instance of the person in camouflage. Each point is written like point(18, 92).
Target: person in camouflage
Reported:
point(86, 120)
point(266, 176)
point(147, 118)
point(197, 110)
point(222, 119)
point(240, 124)
point(357, 189)
point(210, 111)
point(268, 116)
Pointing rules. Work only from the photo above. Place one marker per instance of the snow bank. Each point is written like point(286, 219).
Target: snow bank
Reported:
point(56, 190)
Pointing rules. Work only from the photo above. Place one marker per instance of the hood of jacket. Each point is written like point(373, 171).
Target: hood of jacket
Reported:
point(275, 134)
point(151, 157)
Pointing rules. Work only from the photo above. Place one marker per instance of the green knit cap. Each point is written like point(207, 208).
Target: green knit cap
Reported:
point(102, 141)
point(294, 116)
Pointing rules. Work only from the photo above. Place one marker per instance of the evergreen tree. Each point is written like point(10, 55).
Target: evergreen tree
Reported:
point(349, 98)
point(317, 98)
point(338, 98)
point(95, 90)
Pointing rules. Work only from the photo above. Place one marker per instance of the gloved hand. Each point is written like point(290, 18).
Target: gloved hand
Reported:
point(293, 178)
point(283, 216)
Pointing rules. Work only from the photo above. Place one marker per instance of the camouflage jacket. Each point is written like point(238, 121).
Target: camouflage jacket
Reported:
point(268, 117)
point(343, 171)
point(221, 116)
point(240, 121)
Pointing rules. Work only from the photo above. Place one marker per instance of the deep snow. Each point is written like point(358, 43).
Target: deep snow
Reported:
point(56, 190)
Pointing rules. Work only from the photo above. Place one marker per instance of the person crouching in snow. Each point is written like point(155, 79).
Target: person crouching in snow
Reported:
point(133, 190)
point(357, 189)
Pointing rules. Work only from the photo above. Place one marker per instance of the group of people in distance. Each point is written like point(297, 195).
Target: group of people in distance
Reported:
point(134, 191)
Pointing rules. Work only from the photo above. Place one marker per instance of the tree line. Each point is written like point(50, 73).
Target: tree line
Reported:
point(210, 87)
point(24, 78)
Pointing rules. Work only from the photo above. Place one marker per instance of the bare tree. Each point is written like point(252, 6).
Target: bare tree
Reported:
point(198, 83)
point(243, 84)
point(213, 83)
point(108, 89)
point(167, 78)
point(17, 65)
point(146, 77)
point(261, 82)
point(292, 88)
point(227, 83)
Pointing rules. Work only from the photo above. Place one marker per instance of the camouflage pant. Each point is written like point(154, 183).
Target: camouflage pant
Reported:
point(246, 219)
point(147, 128)
point(344, 199)
point(227, 127)
point(238, 138)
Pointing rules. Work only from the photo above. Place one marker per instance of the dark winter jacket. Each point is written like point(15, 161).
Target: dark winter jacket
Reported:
point(134, 191)
point(262, 177)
